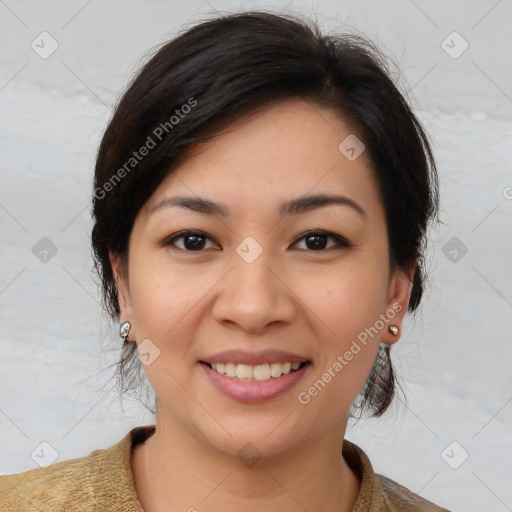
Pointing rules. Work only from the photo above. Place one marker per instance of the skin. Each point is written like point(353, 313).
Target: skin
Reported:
point(293, 297)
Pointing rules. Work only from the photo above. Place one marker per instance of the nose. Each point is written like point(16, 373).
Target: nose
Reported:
point(254, 296)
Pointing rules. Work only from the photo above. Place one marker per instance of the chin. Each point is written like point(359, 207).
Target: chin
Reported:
point(252, 439)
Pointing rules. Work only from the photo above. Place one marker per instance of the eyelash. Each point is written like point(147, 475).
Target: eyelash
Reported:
point(340, 242)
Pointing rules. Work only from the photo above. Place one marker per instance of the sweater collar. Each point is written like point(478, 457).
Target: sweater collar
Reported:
point(369, 497)
point(117, 460)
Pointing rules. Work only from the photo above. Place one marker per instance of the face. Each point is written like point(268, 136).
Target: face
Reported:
point(258, 283)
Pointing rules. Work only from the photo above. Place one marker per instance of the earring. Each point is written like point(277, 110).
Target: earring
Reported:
point(393, 329)
point(124, 330)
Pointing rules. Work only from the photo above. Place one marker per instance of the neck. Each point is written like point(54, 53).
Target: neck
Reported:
point(175, 468)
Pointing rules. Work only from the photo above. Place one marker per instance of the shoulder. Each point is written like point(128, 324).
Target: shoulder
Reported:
point(378, 493)
point(100, 481)
point(52, 488)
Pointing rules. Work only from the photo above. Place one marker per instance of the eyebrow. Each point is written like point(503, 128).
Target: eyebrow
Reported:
point(292, 206)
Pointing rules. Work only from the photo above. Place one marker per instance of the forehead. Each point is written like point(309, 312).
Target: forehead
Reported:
point(290, 148)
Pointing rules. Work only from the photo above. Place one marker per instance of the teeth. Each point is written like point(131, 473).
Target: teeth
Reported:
point(244, 371)
point(230, 369)
point(259, 372)
point(275, 369)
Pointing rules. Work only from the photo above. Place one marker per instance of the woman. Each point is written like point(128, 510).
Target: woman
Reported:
point(261, 198)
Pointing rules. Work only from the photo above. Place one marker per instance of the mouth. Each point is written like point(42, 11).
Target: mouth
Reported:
point(255, 373)
point(255, 378)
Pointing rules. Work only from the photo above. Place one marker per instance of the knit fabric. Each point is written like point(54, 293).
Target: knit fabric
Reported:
point(103, 482)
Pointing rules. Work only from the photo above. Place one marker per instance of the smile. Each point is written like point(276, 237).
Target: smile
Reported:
point(259, 372)
point(256, 383)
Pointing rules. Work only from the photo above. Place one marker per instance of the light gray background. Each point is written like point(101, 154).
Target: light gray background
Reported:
point(455, 359)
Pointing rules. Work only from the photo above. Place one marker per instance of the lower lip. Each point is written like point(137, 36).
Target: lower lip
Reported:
point(254, 392)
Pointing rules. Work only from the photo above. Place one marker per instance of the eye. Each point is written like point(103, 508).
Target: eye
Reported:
point(198, 241)
point(190, 241)
point(319, 240)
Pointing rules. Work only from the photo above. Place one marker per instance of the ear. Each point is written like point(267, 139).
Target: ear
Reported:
point(120, 271)
point(400, 287)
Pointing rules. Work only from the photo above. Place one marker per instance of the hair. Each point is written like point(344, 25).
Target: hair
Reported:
point(219, 71)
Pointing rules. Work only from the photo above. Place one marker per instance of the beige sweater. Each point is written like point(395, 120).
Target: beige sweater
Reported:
point(102, 482)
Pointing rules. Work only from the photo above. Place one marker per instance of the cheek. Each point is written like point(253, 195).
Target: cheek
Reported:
point(161, 298)
point(347, 304)
point(347, 299)
point(169, 302)
point(165, 304)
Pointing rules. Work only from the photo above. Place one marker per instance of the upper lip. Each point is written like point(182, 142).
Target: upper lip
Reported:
point(254, 358)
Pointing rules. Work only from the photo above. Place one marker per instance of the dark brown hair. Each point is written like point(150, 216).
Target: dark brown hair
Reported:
point(219, 71)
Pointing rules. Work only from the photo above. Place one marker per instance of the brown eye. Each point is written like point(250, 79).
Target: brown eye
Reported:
point(190, 241)
point(319, 240)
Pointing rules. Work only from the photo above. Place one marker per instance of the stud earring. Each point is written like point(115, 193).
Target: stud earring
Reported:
point(124, 330)
point(393, 329)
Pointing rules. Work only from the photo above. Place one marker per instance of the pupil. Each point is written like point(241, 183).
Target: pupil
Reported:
point(319, 241)
point(194, 242)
